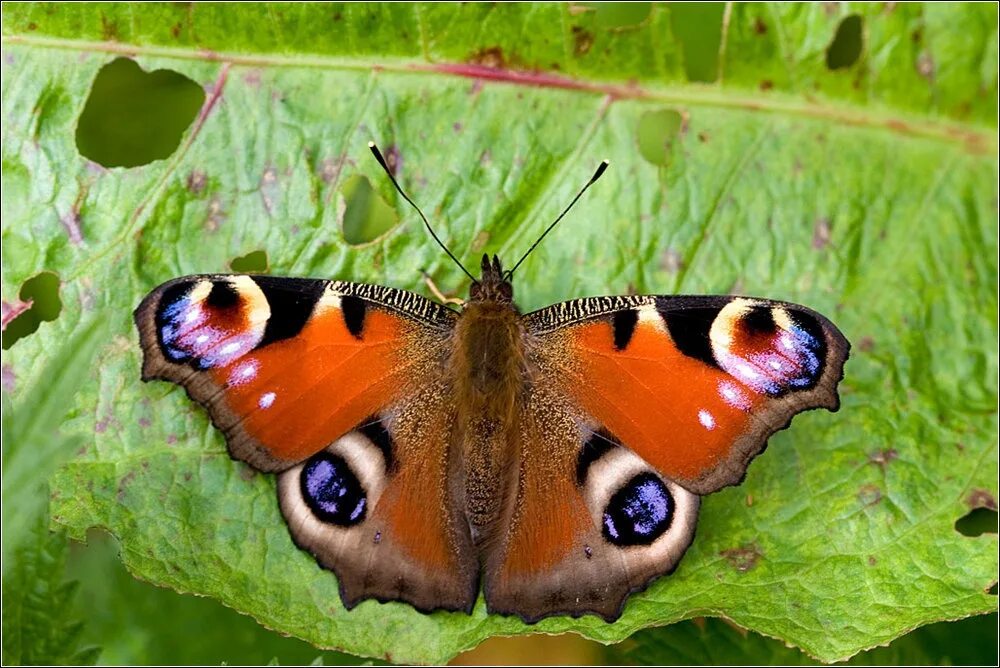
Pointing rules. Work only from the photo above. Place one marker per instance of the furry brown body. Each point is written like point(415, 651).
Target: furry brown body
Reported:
point(488, 371)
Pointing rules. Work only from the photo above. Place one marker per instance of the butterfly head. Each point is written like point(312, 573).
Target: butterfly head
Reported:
point(494, 285)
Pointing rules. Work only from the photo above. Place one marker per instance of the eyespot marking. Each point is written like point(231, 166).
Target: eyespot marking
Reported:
point(639, 512)
point(209, 322)
point(770, 349)
point(332, 491)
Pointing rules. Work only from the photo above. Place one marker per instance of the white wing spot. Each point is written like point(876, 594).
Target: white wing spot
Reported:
point(266, 400)
point(706, 419)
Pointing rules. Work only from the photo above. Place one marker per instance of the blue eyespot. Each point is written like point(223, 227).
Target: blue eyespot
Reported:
point(639, 512)
point(332, 491)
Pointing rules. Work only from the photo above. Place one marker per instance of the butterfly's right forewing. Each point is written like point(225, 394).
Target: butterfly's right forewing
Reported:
point(340, 388)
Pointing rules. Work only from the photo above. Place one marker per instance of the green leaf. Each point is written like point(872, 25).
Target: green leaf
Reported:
point(39, 627)
point(867, 192)
point(136, 623)
point(37, 599)
point(714, 642)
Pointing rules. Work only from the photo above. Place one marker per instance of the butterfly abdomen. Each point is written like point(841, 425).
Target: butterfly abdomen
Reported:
point(488, 375)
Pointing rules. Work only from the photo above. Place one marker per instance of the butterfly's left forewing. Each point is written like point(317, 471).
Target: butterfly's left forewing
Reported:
point(339, 386)
point(638, 406)
point(695, 385)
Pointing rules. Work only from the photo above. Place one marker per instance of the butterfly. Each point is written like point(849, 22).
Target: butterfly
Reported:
point(553, 459)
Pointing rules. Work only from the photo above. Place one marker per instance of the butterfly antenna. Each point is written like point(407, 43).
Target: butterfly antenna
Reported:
point(381, 161)
point(600, 170)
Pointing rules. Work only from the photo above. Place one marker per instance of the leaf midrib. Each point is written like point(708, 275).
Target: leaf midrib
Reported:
point(970, 137)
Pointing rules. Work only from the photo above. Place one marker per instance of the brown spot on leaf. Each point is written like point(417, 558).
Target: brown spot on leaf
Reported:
point(196, 181)
point(759, 26)
point(749, 500)
point(743, 558)
point(872, 561)
point(71, 221)
point(123, 483)
point(866, 344)
point(882, 458)
point(766, 84)
point(981, 498)
point(216, 215)
point(252, 78)
point(8, 379)
point(869, 495)
point(109, 29)
point(479, 243)
point(671, 261)
point(925, 65)
point(582, 40)
point(821, 233)
point(831, 8)
point(491, 56)
point(247, 473)
point(329, 169)
point(703, 137)
point(393, 159)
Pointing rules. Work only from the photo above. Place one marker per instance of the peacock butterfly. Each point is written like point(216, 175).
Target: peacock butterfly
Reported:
point(556, 458)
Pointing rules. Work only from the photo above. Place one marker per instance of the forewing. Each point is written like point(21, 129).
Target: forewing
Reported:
point(693, 385)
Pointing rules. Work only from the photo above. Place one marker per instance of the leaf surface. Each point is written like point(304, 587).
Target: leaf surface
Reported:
point(867, 192)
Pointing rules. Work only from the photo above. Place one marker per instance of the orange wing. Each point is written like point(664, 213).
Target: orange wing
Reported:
point(286, 366)
point(693, 385)
point(340, 386)
point(637, 406)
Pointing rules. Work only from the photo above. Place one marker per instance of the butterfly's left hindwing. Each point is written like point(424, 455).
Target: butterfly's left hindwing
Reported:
point(340, 387)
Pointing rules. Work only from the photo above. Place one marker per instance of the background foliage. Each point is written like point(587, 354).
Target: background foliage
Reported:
point(839, 155)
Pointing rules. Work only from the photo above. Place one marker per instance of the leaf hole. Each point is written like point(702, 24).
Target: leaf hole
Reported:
point(656, 134)
point(254, 262)
point(40, 303)
point(619, 15)
point(366, 215)
point(845, 49)
point(133, 117)
point(976, 522)
point(698, 27)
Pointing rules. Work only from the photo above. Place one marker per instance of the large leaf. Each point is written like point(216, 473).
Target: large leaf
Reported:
point(40, 625)
point(867, 192)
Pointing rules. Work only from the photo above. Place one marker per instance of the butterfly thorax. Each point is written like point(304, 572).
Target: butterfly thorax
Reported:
point(488, 371)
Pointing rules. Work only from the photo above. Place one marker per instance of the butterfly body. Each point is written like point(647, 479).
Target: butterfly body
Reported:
point(554, 460)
